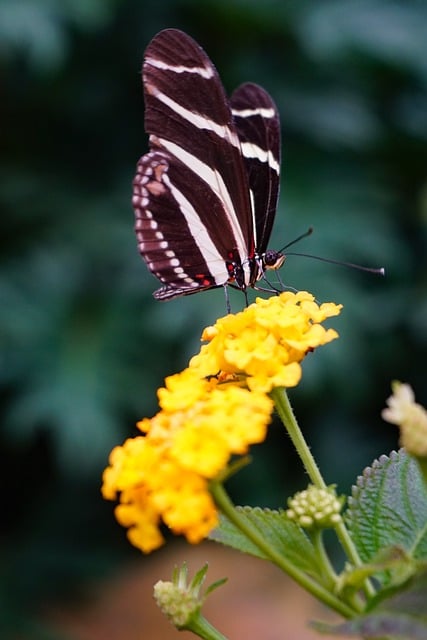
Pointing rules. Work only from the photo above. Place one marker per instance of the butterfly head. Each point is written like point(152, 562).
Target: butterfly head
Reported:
point(272, 259)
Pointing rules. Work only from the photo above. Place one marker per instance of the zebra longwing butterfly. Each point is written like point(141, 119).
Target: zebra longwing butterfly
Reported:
point(205, 195)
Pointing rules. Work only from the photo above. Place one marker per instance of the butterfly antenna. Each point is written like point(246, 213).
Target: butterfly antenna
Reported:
point(380, 271)
point(301, 237)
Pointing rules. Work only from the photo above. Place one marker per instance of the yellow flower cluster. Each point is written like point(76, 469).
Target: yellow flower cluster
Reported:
point(214, 409)
point(164, 475)
point(266, 342)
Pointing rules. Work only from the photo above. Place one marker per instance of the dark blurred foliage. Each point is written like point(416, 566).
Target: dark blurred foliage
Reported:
point(84, 345)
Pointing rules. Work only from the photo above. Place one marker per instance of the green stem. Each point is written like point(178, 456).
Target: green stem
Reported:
point(353, 599)
point(202, 628)
point(307, 582)
point(317, 539)
point(286, 414)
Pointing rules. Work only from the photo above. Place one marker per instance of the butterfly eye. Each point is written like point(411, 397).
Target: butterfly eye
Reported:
point(273, 259)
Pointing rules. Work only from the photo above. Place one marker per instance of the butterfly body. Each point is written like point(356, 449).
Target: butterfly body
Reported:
point(205, 195)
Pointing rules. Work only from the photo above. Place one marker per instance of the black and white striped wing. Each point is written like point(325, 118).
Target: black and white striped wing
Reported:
point(191, 197)
point(258, 126)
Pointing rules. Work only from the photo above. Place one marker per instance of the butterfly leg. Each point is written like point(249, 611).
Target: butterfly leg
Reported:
point(227, 299)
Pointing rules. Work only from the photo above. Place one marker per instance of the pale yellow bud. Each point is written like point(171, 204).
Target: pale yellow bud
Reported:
point(410, 417)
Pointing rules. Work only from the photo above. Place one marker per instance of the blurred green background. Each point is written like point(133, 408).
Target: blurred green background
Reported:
point(83, 343)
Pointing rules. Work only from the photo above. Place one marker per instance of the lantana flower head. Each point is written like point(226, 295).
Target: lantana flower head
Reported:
point(215, 409)
point(164, 475)
point(266, 342)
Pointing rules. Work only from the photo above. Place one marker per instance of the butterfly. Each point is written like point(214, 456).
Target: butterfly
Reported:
point(205, 195)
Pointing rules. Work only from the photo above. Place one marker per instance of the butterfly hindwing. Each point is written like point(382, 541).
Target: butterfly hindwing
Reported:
point(258, 126)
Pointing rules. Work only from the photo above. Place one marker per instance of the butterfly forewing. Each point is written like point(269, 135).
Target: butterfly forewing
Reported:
point(208, 187)
point(190, 123)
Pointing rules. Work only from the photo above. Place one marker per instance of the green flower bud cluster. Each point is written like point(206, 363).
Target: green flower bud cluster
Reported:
point(181, 601)
point(315, 508)
point(178, 605)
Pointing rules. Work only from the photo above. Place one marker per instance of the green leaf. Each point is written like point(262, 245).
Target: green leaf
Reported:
point(393, 559)
point(400, 617)
point(388, 508)
point(282, 534)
